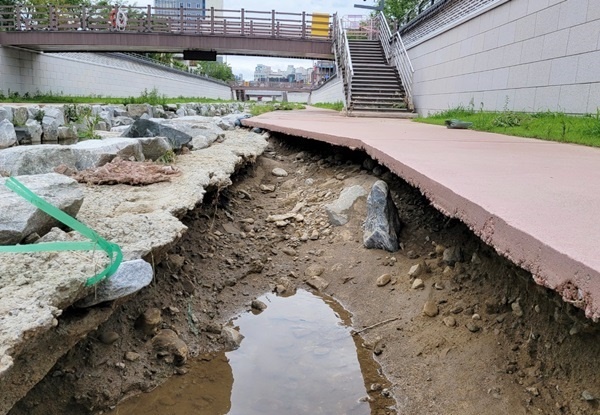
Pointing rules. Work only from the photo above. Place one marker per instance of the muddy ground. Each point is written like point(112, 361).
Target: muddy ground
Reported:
point(493, 342)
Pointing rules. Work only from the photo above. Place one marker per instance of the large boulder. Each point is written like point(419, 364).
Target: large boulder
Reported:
point(154, 147)
point(55, 112)
point(34, 130)
point(50, 128)
point(151, 128)
point(382, 226)
point(19, 218)
point(96, 153)
point(8, 136)
point(20, 115)
point(38, 159)
point(137, 110)
point(338, 210)
point(6, 114)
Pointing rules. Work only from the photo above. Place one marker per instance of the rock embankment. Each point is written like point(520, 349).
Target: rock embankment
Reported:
point(37, 288)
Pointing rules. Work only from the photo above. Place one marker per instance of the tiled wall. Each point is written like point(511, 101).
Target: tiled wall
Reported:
point(530, 55)
point(96, 74)
point(332, 91)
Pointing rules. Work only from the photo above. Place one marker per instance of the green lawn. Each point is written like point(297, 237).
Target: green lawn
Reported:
point(261, 108)
point(336, 106)
point(554, 126)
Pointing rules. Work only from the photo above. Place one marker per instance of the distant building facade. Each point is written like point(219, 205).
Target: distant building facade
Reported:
point(200, 5)
point(321, 71)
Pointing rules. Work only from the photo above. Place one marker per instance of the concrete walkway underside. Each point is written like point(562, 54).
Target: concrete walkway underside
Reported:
point(536, 202)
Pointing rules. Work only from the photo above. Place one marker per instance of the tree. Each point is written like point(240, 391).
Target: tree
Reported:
point(216, 70)
point(396, 10)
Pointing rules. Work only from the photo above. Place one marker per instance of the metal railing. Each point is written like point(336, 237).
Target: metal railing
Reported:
point(222, 22)
point(343, 58)
point(285, 86)
point(396, 54)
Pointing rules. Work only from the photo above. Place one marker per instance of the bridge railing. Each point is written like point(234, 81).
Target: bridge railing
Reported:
point(287, 86)
point(148, 19)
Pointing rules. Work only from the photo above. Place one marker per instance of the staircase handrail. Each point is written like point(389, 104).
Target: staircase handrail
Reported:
point(396, 54)
point(342, 49)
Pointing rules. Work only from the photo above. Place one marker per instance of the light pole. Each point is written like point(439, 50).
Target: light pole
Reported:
point(378, 7)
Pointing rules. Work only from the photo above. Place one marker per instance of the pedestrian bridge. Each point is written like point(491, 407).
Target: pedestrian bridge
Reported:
point(68, 28)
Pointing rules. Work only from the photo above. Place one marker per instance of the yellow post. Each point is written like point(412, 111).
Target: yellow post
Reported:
point(320, 24)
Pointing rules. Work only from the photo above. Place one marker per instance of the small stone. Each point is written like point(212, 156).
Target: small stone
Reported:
point(279, 172)
point(475, 259)
point(412, 255)
point(120, 365)
point(231, 338)
point(168, 343)
point(439, 249)
point(587, 396)
point(314, 235)
point(516, 309)
point(439, 286)
point(108, 337)
point(473, 328)
point(314, 270)
point(289, 251)
point(476, 316)
point(417, 284)
point(267, 188)
point(317, 283)
point(449, 321)
point(452, 255)
point(533, 390)
point(181, 371)
point(430, 309)
point(383, 280)
point(149, 321)
point(132, 356)
point(258, 305)
point(415, 271)
point(376, 387)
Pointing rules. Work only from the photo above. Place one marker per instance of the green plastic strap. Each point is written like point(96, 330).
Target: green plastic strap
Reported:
point(113, 251)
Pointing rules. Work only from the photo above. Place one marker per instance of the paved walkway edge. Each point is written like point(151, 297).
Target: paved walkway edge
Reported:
point(572, 279)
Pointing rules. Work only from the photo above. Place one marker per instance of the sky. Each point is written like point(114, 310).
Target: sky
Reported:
point(245, 64)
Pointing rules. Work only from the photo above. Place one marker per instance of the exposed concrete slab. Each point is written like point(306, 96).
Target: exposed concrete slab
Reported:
point(536, 202)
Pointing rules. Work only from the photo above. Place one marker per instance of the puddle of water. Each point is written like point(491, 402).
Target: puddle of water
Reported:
point(297, 357)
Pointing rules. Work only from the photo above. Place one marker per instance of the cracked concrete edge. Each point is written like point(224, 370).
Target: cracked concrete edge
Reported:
point(23, 362)
point(570, 278)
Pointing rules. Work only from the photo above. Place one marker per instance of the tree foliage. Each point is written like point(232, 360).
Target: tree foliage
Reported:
point(396, 10)
point(216, 70)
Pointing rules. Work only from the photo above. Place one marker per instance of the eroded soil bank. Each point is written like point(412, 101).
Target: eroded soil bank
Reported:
point(475, 336)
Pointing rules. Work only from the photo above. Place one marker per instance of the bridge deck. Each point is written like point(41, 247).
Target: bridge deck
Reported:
point(534, 201)
point(148, 29)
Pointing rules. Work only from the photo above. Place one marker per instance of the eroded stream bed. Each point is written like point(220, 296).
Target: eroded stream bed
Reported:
point(475, 336)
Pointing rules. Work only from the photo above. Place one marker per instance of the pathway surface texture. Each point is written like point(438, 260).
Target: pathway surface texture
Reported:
point(536, 202)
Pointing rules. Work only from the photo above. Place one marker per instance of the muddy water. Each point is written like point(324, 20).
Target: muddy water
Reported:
point(297, 357)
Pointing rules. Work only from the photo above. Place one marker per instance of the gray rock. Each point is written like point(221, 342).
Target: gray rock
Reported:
point(382, 226)
point(452, 255)
point(430, 309)
point(6, 114)
point(150, 128)
point(34, 130)
point(158, 112)
point(200, 141)
point(232, 339)
point(58, 190)
point(225, 124)
point(154, 147)
point(369, 163)
point(56, 113)
point(96, 153)
point(131, 277)
point(8, 135)
point(38, 159)
point(383, 280)
point(339, 209)
point(121, 120)
point(50, 129)
point(23, 136)
point(135, 111)
point(68, 134)
point(20, 116)
point(107, 117)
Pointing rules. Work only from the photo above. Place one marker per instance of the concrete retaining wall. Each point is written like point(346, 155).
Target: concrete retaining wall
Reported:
point(536, 55)
point(332, 91)
point(301, 97)
point(97, 74)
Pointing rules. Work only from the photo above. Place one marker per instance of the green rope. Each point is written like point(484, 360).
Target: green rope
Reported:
point(113, 251)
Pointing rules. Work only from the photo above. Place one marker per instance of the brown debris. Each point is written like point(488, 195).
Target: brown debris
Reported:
point(121, 171)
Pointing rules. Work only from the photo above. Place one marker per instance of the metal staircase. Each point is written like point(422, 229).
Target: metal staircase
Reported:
point(375, 67)
point(376, 85)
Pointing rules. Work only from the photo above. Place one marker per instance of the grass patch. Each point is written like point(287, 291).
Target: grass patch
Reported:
point(553, 126)
point(152, 97)
point(262, 108)
point(336, 106)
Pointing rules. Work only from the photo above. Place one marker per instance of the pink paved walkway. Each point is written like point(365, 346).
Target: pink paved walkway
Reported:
point(536, 202)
